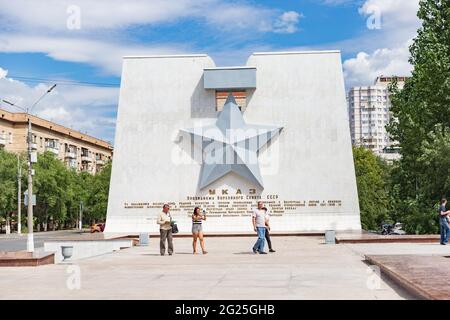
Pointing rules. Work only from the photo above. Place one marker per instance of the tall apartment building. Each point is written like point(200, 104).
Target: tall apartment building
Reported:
point(369, 113)
point(77, 150)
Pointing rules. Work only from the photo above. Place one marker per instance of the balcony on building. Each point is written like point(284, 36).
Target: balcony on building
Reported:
point(3, 140)
point(52, 145)
point(99, 159)
point(86, 155)
point(71, 152)
point(86, 158)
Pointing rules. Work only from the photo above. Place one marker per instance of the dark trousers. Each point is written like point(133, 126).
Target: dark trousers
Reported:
point(165, 234)
point(269, 242)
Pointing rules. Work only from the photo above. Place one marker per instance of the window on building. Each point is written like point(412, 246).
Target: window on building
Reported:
point(52, 143)
point(84, 152)
point(71, 149)
point(239, 96)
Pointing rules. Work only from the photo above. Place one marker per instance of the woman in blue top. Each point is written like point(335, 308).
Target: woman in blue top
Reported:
point(197, 230)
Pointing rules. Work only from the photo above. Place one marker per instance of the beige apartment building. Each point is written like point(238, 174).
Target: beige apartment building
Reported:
point(77, 150)
point(369, 113)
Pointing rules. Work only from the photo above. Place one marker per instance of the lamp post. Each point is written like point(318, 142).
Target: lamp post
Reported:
point(19, 195)
point(30, 238)
point(81, 217)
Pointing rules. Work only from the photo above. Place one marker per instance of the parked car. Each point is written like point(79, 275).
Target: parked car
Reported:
point(98, 227)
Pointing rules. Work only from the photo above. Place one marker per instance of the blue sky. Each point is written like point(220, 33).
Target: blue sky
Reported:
point(83, 40)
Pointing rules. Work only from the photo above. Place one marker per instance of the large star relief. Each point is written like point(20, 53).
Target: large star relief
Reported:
point(231, 145)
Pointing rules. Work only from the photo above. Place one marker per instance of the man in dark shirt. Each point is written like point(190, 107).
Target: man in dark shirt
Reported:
point(443, 221)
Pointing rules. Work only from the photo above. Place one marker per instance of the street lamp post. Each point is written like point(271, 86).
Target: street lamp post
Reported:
point(30, 238)
point(19, 195)
point(81, 217)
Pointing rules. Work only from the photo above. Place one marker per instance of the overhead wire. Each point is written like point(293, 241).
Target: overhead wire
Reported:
point(65, 82)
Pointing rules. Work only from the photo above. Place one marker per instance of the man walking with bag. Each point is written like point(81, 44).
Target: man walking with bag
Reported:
point(165, 230)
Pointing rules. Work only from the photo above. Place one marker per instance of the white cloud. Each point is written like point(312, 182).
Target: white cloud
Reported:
point(52, 16)
point(3, 73)
point(384, 51)
point(287, 22)
point(106, 55)
point(395, 13)
point(110, 14)
point(237, 17)
point(364, 68)
point(34, 26)
point(87, 109)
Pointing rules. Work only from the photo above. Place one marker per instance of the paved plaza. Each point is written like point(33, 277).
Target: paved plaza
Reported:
point(302, 268)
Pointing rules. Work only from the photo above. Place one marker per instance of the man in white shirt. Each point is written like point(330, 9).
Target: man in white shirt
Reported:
point(165, 230)
point(259, 225)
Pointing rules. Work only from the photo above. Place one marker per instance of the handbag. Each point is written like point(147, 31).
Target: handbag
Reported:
point(174, 228)
point(173, 225)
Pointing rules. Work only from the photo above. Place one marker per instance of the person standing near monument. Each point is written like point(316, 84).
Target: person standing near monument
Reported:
point(197, 230)
point(443, 222)
point(165, 230)
point(259, 225)
point(269, 242)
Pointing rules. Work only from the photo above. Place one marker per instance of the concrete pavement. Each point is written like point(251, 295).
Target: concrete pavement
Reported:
point(302, 268)
point(399, 249)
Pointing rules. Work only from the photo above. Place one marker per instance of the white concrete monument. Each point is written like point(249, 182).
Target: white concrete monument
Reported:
point(282, 137)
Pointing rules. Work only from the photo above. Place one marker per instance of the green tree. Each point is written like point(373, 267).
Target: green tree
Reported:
point(422, 122)
point(8, 185)
point(80, 188)
point(51, 186)
point(372, 180)
point(59, 191)
point(97, 200)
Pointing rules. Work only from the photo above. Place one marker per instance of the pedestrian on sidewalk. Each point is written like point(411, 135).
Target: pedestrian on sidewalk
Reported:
point(259, 225)
point(165, 229)
point(197, 230)
point(443, 222)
